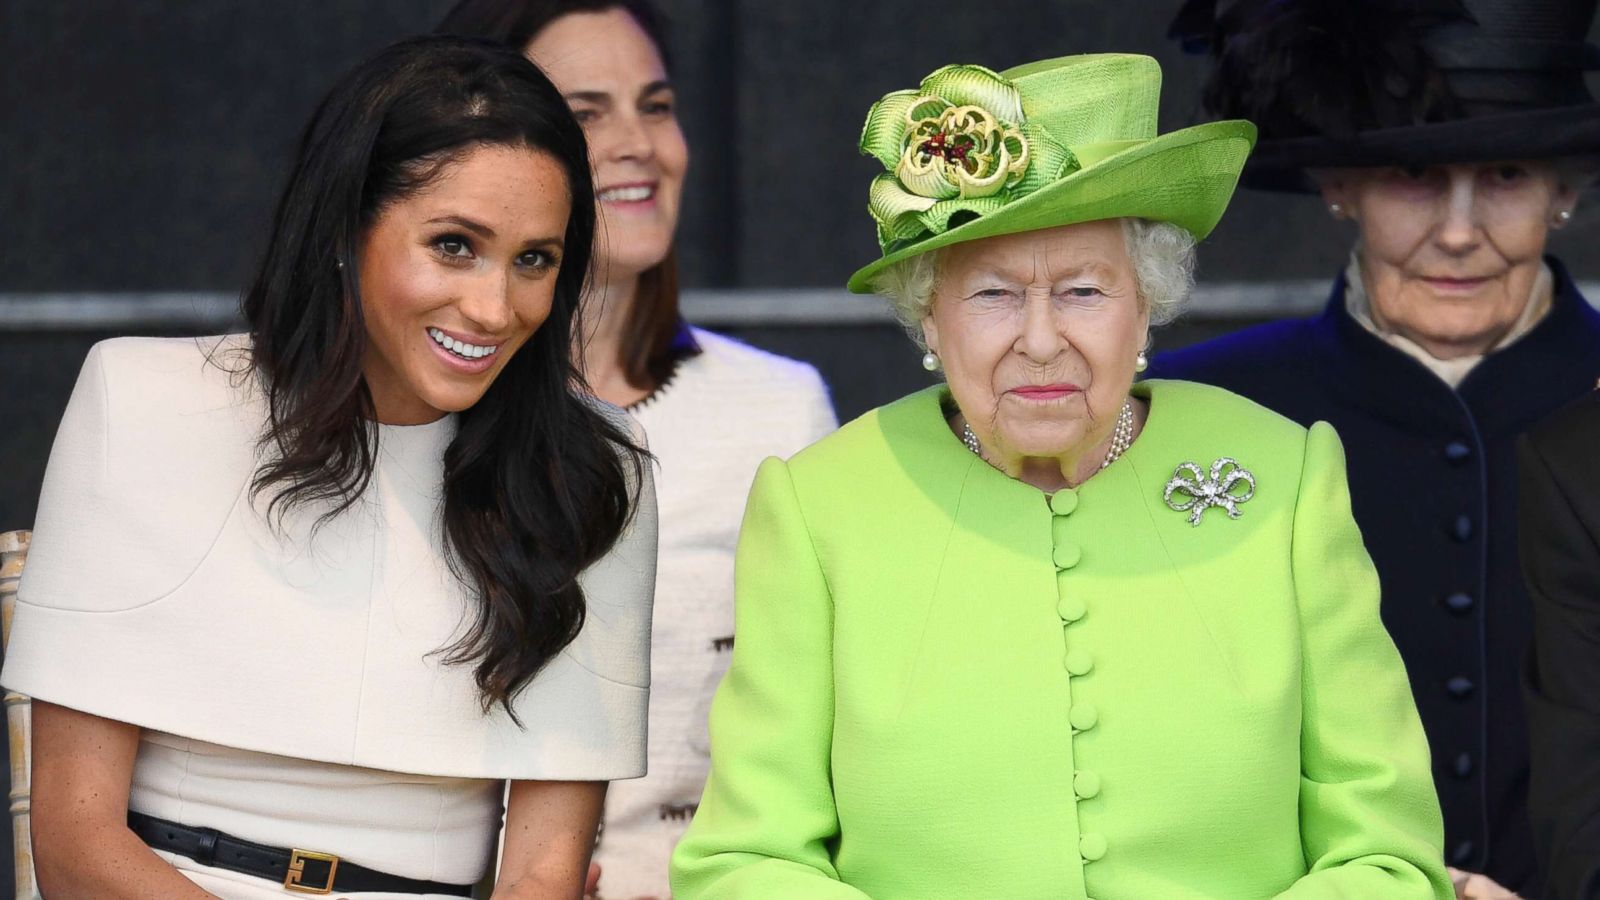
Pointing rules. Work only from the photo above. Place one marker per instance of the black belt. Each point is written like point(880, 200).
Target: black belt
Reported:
point(300, 871)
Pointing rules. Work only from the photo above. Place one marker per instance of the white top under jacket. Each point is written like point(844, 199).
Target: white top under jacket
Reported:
point(725, 410)
point(157, 594)
point(416, 826)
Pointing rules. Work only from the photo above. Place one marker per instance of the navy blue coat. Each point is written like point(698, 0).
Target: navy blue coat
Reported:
point(1433, 479)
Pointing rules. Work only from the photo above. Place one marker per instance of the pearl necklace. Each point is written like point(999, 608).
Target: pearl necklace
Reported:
point(1121, 436)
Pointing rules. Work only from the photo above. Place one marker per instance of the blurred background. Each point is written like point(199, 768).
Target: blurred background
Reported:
point(143, 142)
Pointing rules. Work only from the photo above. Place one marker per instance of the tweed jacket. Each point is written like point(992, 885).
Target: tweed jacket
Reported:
point(1560, 538)
point(727, 408)
point(1433, 484)
point(949, 684)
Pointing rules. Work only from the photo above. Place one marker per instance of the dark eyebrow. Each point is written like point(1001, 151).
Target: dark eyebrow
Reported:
point(602, 98)
point(556, 244)
point(474, 227)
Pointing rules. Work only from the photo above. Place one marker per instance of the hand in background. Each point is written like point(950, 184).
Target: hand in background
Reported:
point(1472, 886)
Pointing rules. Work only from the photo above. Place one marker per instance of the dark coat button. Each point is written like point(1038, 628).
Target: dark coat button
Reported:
point(1462, 854)
point(1457, 452)
point(1461, 528)
point(1459, 687)
point(1463, 765)
point(1459, 603)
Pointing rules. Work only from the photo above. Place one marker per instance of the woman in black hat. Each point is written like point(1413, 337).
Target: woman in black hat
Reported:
point(1455, 136)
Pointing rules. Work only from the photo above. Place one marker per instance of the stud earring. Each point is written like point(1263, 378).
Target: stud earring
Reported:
point(1563, 216)
point(339, 264)
point(1141, 362)
point(1336, 209)
point(930, 361)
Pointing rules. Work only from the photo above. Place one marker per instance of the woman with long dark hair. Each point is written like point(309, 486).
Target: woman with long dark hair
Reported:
point(713, 407)
point(302, 601)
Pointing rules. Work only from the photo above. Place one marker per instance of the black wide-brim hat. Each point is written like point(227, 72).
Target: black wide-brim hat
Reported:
point(1355, 83)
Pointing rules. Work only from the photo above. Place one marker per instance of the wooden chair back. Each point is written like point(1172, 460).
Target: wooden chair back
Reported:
point(19, 719)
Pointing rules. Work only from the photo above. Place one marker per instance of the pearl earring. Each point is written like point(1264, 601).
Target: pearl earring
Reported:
point(1335, 209)
point(930, 361)
point(1141, 362)
point(1563, 216)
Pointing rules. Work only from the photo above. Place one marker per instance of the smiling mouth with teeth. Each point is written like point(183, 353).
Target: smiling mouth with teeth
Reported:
point(463, 350)
point(627, 194)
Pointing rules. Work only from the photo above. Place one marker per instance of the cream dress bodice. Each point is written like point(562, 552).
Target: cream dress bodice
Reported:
point(417, 826)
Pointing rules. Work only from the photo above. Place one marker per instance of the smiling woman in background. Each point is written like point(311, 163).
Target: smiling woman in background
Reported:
point(302, 601)
point(713, 408)
point(1454, 143)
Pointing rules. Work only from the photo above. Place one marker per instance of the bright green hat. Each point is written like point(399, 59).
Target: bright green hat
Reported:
point(973, 154)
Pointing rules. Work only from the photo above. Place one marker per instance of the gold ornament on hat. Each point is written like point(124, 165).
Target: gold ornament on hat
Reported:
point(957, 145)
point(959, 151)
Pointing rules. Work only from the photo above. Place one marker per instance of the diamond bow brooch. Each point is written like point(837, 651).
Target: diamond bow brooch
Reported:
point(1190, 491)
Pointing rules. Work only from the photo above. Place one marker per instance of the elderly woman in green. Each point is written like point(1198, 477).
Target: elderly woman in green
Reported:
point(1040, 632)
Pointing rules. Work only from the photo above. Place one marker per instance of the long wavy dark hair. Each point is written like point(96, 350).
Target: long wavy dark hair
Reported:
point(538, 482)
point(656, 337)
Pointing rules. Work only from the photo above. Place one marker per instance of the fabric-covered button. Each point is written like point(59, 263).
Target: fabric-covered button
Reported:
point(1092, 846)
point(1070, 608)
point(1086, 785)
point(1083, 716)
point(1457, 452)
point(1461, 528)
point(1067, 555)
point(1064, 501)
point(1459, 687)
point(1462, 768)
point(1079, 662)
point(1462, 854)
point(1459, 603)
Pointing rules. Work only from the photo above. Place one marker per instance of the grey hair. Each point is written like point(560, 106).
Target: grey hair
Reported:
point(1163, 257)
point(1163, 260)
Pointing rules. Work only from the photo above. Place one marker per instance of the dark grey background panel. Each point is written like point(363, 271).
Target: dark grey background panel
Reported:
point(142, 142)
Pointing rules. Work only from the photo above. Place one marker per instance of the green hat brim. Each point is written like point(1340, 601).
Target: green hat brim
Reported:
point(1185, 177)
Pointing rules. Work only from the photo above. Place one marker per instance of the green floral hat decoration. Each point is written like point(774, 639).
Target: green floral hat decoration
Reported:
point(972, 153)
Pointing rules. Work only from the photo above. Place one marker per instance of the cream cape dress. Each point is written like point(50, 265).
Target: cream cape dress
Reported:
point(299, 666)
point(725, 410)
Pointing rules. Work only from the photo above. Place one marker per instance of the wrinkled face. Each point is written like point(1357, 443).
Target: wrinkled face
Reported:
point(1450, 253)
point(457, 277)
point(1038, 333)
point(616, 83)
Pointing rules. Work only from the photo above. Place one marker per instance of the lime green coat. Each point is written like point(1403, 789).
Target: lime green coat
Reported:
point(946, 684)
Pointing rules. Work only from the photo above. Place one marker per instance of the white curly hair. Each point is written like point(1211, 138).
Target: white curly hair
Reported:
point(1163, 258)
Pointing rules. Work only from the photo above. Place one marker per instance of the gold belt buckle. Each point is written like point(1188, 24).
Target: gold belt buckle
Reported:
point(297, 870)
